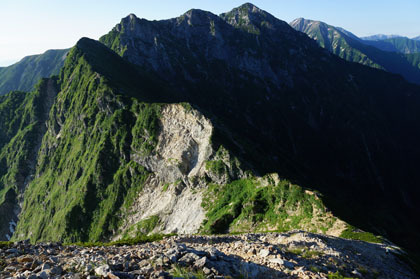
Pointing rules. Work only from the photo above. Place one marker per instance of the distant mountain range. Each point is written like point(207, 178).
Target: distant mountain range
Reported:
point(24, 74)
point(348, 46)
point(379, 37)
point(397, 44)
point(394, 43)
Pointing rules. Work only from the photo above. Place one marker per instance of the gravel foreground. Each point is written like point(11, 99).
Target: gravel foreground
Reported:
point(295, 254)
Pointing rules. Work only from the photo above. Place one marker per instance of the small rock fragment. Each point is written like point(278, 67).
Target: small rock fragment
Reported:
point(102, 270)
point(264, 253)
point(201, 262)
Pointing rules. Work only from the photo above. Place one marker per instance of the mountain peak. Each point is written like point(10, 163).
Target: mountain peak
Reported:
point(247, 9)
point(252, 19)
point(316, 28)
point(130, 17)
point(197, 14)
point(197, 18)
point(298, 20)
point(301, 23)
point(85, 43)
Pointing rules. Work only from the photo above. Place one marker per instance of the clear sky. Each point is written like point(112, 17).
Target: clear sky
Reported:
point(33, 26)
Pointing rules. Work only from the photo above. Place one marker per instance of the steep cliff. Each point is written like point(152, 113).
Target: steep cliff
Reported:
point(112, 166)
point(341, 128)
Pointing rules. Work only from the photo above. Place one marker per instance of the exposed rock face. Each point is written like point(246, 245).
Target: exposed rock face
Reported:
point(168, 46)
point(173, 192)
point(183, 145)
point(179, 210)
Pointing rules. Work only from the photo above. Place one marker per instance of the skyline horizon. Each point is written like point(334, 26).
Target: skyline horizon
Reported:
point(15, 50)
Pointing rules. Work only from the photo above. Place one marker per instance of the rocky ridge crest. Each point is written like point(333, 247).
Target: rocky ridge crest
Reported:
point(295, 254)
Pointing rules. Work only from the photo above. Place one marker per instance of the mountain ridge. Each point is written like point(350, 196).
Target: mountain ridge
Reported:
point(140, 161)
point(132, 56)
point(379, 37)
point(26, 73)
point(351, 48)
point(399, 44)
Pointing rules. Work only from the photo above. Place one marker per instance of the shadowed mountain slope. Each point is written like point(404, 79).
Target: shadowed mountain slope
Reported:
point(308, 115)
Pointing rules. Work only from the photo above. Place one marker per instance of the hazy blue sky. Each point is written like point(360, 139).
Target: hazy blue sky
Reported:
point(33, 26)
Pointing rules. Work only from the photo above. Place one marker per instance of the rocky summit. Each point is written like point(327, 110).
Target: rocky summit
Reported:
point(295, 254)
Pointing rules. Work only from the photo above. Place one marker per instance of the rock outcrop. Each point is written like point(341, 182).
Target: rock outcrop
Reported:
point(296, 254)
point(174, 191)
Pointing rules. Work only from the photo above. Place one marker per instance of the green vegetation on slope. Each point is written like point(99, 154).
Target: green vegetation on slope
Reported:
point(25, 74)
point(414, 59)
point(21, 130)
point(398, 44)
point(144, 227)
point(263, 205)
point(140, 239)
point(85, 178)
point(187, 273)
point(338, 275)
point(113, 41)
point(11, 107)
point(405, 45)
point(352, 233)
